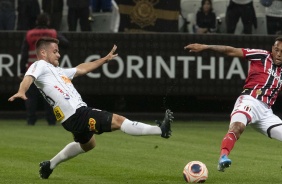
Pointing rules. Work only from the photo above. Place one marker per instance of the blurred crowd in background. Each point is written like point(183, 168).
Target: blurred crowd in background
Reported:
point(194, 16)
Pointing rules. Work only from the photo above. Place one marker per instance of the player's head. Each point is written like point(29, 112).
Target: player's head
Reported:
point(277, 51)
point(47, 49)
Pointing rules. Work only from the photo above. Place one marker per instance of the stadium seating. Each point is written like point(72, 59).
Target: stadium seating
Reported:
point(189, 9)
point(219, 8)
point(101, 22)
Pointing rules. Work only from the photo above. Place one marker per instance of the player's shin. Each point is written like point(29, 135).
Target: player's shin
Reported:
point(228, 143)
point(138, 128)
point(71, 150)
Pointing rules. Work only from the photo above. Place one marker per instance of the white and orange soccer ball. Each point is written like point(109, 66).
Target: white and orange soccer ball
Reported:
point(195, 172)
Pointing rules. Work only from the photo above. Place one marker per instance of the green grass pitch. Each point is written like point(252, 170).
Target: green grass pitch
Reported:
point(123, 159)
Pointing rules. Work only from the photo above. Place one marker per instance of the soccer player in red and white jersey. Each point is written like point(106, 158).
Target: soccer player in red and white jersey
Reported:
point(253, 106)
point(70, 110)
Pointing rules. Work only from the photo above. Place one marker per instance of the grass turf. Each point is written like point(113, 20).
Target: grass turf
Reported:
point(125, 159)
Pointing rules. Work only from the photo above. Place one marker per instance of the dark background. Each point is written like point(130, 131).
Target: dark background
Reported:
point(206, 96)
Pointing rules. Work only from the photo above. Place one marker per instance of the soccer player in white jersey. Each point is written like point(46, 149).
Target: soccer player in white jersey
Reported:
point(83, 122)
point(253, 106)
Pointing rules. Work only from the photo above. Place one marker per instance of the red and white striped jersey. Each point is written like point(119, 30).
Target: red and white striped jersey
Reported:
point(264, 77)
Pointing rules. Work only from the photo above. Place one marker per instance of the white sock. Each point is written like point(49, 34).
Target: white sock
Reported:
point(138, 128)
point(71, 150)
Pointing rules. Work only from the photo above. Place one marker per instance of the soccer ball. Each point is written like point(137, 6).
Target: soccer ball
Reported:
point(195, 172)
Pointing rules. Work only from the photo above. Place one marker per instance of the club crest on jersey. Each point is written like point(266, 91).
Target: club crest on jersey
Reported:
point(259, 92)
point(92, 123)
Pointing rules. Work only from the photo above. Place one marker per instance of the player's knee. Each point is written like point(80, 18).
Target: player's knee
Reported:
point(89, 145)
point(117, 121)
point(239, 117)
point(237, 127)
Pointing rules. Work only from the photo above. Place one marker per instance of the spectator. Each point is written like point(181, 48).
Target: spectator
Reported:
point(273, 14)
point(243, 9)
point(28, 10)
point(205, 18)
point(101, 5)
point(7, 15)
point(78, 10)
point(115, 17)
point(55, 10)
point(28, 56)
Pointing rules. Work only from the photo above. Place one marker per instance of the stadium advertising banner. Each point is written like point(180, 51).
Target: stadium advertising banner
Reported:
point(147, 64)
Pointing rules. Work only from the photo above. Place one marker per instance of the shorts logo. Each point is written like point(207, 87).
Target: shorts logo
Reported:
point(247, 108)
point(92, 123)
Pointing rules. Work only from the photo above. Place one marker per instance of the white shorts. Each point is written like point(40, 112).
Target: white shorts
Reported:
point(260, 116)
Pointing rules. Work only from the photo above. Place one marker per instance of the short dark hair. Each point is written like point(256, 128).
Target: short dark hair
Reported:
point(279, 38)
point(44, 41)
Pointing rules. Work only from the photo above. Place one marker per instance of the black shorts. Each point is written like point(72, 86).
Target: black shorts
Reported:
point(88, 121)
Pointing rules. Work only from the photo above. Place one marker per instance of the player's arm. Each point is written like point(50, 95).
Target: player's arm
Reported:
point(24, 86)
point(85, 68)
point(227, 50)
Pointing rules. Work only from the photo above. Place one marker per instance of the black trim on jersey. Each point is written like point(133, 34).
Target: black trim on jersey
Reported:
point(255, 56)
point(273, 92)
point(273, 126)
point(269, 82)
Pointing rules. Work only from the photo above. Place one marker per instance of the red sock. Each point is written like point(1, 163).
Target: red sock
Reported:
point(228, 143)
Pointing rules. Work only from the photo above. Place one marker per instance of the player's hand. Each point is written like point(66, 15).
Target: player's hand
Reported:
point(195, 47)
point(17, 95)
point(112, 54)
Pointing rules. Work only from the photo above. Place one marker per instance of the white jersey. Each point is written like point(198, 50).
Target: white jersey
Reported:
point(55, 85)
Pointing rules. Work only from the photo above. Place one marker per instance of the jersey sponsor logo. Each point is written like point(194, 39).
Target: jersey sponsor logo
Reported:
point(66, 80)
point(58, 113)
point(272, 72)
point(92, 123)
point(66, 96)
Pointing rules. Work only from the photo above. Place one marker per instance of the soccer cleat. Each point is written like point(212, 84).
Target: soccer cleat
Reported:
point(45, 171)
point(224, 162)
point(165, 124)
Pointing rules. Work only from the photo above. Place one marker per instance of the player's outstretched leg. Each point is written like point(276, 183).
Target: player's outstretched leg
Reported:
point(224, 162)
point(45, 171)
point(165, 124)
